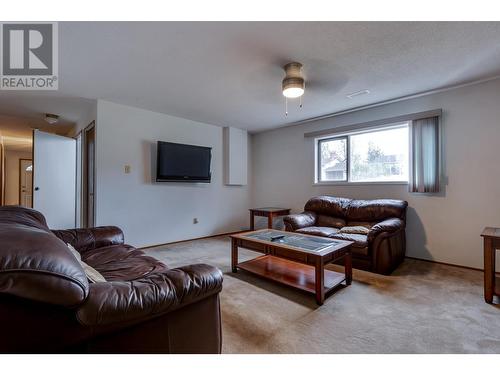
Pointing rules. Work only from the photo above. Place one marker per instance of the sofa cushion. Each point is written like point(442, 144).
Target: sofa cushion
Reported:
point(122, 263)
point(375, 210)
point(359, 240)
point(365, 224)
point(326, 205)
point(122, 303)
point(34, 263)
point(360, 245)
point(92, 274)
point(355, 230)
point(330, 221)
point(318, 231)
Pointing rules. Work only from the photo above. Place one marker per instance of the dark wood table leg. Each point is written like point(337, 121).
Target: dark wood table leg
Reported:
point(234, 255)
point(270, 221)
point(348, 268)
point(320, 281)
point(489, 270)
point(252, 225)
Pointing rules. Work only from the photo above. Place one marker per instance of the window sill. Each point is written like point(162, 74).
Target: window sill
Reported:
point(345, 183)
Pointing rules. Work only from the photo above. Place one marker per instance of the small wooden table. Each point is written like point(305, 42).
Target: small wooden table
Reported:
point(491, 237)
point(269, 212)
point(298, 261)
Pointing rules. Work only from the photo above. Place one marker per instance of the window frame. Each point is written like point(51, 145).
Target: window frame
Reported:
point(318, 158)
point(346, 135)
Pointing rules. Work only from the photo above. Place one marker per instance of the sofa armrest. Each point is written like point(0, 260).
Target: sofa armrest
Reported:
point(388, 225)
point(297, 221)
point(120, 302)
point(83, 239)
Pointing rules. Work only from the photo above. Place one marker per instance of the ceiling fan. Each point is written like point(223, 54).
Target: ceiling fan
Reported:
point(293, 85)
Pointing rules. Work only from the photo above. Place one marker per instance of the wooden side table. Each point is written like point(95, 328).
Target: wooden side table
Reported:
point(491, 237)
point(269, 212)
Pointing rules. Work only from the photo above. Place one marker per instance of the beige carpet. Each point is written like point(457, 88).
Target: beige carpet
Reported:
point(421, 308)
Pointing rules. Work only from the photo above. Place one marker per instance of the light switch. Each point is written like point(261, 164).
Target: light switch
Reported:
point(127, 168)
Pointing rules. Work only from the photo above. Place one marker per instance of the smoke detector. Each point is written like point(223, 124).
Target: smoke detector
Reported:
point(51, 118)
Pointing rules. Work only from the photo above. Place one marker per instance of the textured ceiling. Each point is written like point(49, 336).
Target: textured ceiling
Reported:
point(229, 74)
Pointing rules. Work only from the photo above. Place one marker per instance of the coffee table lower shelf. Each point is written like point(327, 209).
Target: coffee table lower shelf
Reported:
point(297, 275)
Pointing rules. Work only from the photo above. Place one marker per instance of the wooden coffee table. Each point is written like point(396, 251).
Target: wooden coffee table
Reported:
point(297, 260)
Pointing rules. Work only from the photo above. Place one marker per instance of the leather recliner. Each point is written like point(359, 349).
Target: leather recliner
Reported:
point(47, 305)
point(377, 228)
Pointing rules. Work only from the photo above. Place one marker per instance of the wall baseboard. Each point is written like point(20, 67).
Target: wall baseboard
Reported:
point(192, 239)
point(449, 264)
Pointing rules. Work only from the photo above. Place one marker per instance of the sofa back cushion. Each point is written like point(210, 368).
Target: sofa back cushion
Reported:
point(34, 263)
point(375, 210)
point(328, 206)
point(330, 221)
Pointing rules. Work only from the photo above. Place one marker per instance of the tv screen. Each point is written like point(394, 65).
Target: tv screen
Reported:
point(177, 162)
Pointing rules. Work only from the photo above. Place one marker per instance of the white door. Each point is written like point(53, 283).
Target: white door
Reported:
point(54, 179)
point(26, 179)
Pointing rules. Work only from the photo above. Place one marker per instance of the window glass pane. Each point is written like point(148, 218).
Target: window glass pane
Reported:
point(379, 156)
point(333, 159)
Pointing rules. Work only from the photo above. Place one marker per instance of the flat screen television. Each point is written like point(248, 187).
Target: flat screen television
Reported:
point(178, 162)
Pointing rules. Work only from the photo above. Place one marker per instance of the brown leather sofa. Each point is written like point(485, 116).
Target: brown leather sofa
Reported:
point(47, 305)
point(377, 228)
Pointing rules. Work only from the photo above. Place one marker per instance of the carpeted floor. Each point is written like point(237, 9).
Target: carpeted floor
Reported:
point(421, 308)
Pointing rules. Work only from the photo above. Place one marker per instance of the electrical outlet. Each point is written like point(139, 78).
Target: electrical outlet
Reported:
point(195, 220)
point(127, 168)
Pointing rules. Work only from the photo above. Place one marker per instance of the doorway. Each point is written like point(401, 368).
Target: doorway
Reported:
point(88, 180)
point(16, 176)
point(26, 182)
point(38, 168)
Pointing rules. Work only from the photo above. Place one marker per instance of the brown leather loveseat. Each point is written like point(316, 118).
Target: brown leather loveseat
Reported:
point(47, 303)
point(377, 228)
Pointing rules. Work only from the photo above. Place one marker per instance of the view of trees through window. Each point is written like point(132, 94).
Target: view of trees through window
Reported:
point(333, 163)
point(379, 155)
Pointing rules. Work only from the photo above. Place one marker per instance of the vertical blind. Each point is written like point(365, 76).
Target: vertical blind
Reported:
point(425, 171)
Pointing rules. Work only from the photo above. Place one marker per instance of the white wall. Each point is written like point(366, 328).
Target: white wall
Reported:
point(153, 213)
point(444, 228)
point(12, 175)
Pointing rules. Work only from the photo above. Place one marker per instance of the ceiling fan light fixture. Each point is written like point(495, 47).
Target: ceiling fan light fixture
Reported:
point(293, 84)
point(293, 92)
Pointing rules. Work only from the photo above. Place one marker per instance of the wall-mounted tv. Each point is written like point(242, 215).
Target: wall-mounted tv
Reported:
point(178, 162)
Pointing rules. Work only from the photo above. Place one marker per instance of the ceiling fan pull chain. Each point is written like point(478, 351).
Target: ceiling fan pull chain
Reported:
point(300, 103)
point(286, 106)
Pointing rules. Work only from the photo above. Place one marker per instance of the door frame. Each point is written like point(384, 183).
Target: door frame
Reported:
point(85, 173)
point(2, 174)
point(33, 164)
point(19, 187)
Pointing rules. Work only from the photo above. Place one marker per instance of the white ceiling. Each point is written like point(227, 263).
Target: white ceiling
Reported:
point(229, 73)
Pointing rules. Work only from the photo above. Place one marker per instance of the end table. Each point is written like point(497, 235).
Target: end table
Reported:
point(269, 212)
point(491, 237)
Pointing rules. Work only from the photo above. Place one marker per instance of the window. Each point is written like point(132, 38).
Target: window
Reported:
point(333, 159)
point(379, 155)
